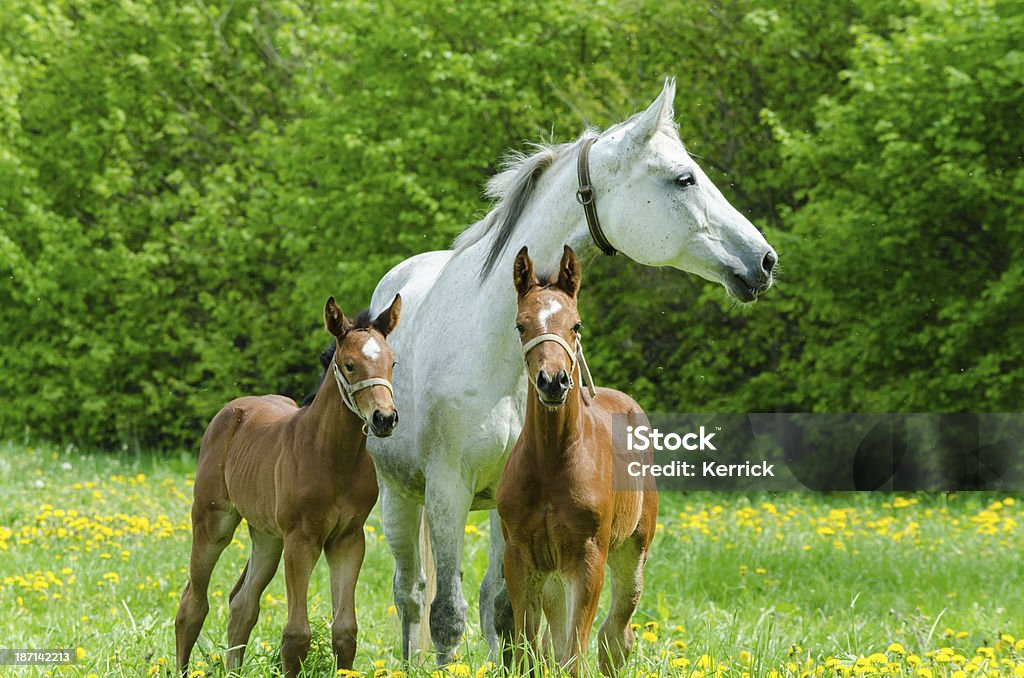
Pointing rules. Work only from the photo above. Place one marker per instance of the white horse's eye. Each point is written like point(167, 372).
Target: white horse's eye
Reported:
point(686, 179)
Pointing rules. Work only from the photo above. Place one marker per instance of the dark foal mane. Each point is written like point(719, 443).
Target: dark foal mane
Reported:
point(363, 320)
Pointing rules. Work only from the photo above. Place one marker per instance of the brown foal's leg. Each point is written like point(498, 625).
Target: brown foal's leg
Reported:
point(344, 557)
point(244, 602)
point(525, 592)
point(614, 640)
point(557, 614)
point(301, 551)
point(212, 529)
point(586, 593)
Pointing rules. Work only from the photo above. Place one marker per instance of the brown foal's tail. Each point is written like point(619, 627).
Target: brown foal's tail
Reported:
point(427, 559)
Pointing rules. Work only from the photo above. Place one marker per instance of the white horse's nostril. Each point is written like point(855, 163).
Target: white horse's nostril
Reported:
point(769, 261)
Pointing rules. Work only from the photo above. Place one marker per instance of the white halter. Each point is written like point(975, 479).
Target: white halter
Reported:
point(576, 356)
point(348, 390)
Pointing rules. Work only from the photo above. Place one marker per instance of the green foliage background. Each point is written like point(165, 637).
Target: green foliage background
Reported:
point(183, 184)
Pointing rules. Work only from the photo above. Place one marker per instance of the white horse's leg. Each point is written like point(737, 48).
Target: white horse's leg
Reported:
point(401, 519)
point(447, 504)
point(491, 586)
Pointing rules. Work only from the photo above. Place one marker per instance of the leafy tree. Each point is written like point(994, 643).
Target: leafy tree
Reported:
point(909, 241)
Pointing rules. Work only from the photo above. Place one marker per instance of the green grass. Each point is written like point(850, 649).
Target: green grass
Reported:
point(93, 551)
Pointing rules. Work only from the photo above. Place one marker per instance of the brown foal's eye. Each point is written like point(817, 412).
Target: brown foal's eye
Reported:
point(577, 327)
point(350, 367)
point(519, 328)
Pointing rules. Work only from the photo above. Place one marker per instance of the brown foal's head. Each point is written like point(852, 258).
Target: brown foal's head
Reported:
point(549, 309)
point(362, 353)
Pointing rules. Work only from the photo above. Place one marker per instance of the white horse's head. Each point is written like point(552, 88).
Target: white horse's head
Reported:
point(658, 207)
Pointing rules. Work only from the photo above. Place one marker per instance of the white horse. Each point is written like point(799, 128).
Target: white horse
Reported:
point(460, 381)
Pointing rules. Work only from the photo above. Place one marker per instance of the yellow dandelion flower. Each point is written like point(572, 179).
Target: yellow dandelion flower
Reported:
point(913, 660)
point(649, 636)
point(680, 662)
point(924, 672)
point(80, 653)
point(745, 658)
point(896, 648)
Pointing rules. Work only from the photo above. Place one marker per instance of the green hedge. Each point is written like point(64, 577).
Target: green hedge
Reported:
point(182, 186)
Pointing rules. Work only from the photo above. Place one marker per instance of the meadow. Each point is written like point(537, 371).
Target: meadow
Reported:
point(93, 549)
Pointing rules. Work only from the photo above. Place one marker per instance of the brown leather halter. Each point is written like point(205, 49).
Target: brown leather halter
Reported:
point(585, 197)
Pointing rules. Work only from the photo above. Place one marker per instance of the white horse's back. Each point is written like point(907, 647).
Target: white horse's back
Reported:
point(412, 278)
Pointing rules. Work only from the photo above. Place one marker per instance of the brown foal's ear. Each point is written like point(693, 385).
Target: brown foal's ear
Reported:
point(335, 321)
point(569, 272)
point(388, 318)
point(522, 272)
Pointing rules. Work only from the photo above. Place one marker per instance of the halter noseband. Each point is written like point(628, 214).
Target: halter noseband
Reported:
point(348, 391)
point(576, 356)
point(585, 197)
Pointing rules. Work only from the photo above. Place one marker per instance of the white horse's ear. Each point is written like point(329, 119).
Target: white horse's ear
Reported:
point(658, 114)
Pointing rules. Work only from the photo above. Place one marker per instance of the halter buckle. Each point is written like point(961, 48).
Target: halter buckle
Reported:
point(585, 195)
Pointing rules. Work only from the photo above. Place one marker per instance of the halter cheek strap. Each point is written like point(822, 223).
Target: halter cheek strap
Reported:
point(348, 391)
point(575, 355)
point(585, 197)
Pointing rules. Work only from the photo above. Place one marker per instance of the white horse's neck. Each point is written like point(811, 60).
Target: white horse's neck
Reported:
point(551, 219)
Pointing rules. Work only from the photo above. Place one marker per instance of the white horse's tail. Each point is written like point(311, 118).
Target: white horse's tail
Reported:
point(427, 559)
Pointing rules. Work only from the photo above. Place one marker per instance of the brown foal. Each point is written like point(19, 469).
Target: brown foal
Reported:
point(304, 483)
point(561, 516)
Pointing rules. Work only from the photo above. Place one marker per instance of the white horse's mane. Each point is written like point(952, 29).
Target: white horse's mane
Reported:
point(511, 188)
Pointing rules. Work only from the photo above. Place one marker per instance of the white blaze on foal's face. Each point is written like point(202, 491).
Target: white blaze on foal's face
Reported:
point(552, 308)
point(371, 349)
